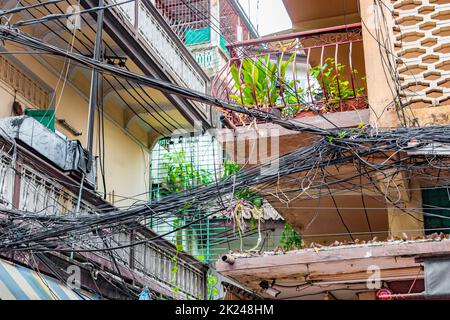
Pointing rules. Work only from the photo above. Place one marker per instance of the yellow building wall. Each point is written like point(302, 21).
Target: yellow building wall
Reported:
point(126, 161)
point(416, 42)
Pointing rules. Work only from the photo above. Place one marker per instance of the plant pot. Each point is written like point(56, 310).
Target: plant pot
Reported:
point(305, 113)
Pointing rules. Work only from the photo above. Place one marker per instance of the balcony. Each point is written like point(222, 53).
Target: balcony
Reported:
point(296, 75)
point(32, 183)
point(143, 20)
point(205, 27)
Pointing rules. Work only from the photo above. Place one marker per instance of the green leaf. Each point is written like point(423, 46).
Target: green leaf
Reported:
point(289, 238)
point(212, 280)
point(236, 98)
point(258, 202)
point(284, 66)
point(235, 74)
point(252, 223)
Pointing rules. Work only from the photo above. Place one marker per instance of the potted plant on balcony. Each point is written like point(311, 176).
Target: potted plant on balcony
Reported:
point(260, 83)
point(334, 89)
point(295, 101)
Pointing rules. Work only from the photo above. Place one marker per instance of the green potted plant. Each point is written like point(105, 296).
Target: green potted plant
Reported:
point(260, 83)
point(333, 86)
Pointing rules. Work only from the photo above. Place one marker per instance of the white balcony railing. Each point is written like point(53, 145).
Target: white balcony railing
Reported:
point(161, 42)
point(6, 181)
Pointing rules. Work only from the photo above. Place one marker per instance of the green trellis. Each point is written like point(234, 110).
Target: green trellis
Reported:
point(188, 160)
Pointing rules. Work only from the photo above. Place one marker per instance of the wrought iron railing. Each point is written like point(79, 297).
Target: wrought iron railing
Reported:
point(296, 75)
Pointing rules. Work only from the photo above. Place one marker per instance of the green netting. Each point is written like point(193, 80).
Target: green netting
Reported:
point(178, 164)
point(197, 36)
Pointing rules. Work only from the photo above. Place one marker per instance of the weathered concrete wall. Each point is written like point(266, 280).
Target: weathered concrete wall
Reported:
point(126, 162)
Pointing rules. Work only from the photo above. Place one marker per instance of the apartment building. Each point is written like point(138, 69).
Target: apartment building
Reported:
point(46, 168)
point(354, 65)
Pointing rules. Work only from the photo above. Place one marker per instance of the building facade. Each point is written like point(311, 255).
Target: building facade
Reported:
point(206, 27)
point(49, 96)
point(367, 64)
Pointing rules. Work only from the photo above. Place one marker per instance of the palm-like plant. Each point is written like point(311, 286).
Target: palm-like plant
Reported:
point(259, 83)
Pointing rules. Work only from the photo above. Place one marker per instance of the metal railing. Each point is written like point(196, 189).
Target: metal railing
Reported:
point(295, 75)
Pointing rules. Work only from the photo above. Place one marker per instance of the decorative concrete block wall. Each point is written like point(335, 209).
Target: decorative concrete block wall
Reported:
point(422, 44)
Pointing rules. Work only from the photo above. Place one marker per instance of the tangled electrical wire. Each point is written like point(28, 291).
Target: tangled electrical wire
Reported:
point(31, 231)
point(374, 151)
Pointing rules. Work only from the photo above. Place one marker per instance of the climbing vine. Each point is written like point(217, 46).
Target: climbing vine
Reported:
point(212, 290)
point(289, 239)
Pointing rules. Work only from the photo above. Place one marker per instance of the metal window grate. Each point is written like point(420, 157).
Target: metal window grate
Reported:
point(203, 156)
point(185, 16)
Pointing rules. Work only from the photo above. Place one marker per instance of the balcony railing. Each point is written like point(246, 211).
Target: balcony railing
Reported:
point(24, 85)
point(296, 75)
point(24, 186)
point(146, 23)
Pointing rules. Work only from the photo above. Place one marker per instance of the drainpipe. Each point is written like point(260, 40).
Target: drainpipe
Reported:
point(228, 259)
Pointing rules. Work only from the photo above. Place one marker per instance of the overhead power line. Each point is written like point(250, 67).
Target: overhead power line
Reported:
point(51, 17)
point(167, 87)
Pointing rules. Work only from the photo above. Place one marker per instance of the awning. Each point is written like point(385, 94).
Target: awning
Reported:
point(20, 283)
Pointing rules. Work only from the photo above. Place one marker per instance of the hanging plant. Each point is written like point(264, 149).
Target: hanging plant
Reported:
point(246, 206)
point(212, 290)
point(174, 269)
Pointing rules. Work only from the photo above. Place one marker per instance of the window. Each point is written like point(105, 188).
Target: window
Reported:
point(436, 202)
